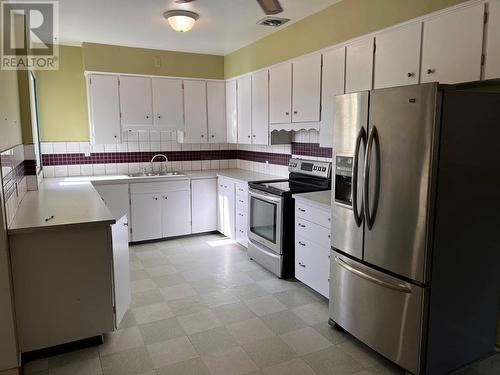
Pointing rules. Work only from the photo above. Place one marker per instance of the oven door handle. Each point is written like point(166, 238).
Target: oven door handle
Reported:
point(264, 196)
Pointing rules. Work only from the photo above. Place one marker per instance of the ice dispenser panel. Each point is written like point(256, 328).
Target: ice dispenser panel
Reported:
point(343, 180)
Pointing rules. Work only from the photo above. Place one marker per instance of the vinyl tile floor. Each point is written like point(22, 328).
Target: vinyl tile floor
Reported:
point(201, 307)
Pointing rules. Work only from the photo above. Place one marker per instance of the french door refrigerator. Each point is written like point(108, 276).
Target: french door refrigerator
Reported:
point(416, 222)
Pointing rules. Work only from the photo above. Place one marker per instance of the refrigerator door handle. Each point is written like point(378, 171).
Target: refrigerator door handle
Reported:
point(366, 176)
point(400, 287)
point(358, 219)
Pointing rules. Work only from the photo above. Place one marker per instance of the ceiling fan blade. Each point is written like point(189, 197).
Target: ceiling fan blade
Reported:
point(270, 6)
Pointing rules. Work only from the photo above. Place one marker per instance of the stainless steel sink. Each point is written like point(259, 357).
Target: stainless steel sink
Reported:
point(156, 174)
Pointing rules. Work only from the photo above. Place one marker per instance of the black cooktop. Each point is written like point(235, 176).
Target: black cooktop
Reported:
point(291, 186)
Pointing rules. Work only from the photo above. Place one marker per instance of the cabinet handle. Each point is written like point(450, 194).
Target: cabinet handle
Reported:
point(295, 112)
point(241, 214)
point(431, 71)
point(159, 116)
point(165, 197)
point(155, 198)
point(241, 231)
point(329, 236)
point(49, 218)
point(302, 265)
point(329, 219)
point(302, 243)
point(287, 113)
point(125, 224)
point(411, 75)
point(147, 116)
point(213, 136)
point(302, 225)
point(203, 136)
point(115, 136)
point(302, 210)
point(254, 136)
point(240, 201)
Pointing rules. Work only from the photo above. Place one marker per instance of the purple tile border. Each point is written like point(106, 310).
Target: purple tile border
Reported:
point(262, 157)
point(311, 149)
point(11, 179)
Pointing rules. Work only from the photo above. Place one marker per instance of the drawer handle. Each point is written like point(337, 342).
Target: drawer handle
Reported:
point(302, 210)
point(49, 218)
point(302, 225)
point(240, 201)
point(302, 265)
point(241, 214)
point(241, 231)
point(302, 243)
point(155, 198)
point(329, 236)
point(329, 219)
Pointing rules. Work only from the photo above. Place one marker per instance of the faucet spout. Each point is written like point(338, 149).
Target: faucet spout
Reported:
point(159, 156)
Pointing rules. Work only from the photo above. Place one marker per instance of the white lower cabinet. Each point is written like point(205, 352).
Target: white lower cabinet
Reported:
point(312, 246)
point(226, 207)
point(204, 205)
point(116, 197)
point(242, 213)
point(160, 209)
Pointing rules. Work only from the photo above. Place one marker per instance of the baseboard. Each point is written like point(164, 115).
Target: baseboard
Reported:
point(12, 371)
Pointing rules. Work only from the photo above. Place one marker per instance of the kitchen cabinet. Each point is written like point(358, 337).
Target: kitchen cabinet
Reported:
point(492, 63)
point(226, 207)
point(397, 56)
point(452, 46)
point(216, 114)
point(333, 80)
point(116, 197)
point(312, 245)
point(306, 95)
point(135, 102)
point(241, 216)
point(195, 112)
point(160, 209)
point(204, 205)
point(167, 103)
point(244, 95)
point(260, 108)
point(121, 268)
point(104, 109)
point(280, 94)
point(231, 112)
point(359, 66)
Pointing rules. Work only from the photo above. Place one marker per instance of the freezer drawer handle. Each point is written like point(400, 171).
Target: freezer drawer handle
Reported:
point(358, 218)
point(366, 176)
point(395, 286)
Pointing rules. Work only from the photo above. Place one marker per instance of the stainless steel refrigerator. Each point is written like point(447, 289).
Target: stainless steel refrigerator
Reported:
point(415, 260)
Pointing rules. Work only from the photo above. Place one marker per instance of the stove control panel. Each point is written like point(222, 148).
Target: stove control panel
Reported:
point(310, 167)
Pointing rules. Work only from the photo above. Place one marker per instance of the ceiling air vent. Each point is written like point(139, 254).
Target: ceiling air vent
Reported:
point(272, 21)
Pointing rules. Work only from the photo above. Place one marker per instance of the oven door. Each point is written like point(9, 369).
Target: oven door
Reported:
point(265, 219)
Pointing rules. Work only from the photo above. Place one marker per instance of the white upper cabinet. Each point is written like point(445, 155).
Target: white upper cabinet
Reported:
point(104, 108)
point(452, 46)
point(216, 113)
point(231, 112)
point(306, 89)
point(195, 112)
point(260, 108)
point(245, 110)
point(135, 101)
point(280, 94)
point(492, 67)
point(397, 56)
point(333, 80)
point(167, 103)
point(359, 66)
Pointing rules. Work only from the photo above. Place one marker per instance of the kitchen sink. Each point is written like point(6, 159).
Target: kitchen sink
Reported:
point(156, 174)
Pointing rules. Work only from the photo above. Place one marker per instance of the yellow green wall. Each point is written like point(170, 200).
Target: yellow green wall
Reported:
point(10, 119)
point(106, 58)
point(338, 23)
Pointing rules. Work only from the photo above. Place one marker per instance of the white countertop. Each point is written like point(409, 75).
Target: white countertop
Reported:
point(74, 203)
point(323, 198)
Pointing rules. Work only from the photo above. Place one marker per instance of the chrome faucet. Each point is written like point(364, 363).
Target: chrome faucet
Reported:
point(161, 166)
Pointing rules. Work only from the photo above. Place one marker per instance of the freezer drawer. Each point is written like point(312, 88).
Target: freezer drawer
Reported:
point(383, 312)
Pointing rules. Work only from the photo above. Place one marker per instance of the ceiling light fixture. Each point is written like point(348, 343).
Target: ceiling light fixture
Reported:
point(181, 20)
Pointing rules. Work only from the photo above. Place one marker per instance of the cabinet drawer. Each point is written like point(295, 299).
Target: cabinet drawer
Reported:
point(312, 232)
point(159, 187)
point(312, 265)
point(241, 234)
point(313, 214)
point(241, 203)
point(241, 219)
point(242, 190)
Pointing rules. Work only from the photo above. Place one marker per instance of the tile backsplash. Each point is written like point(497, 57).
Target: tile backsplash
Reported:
point(61, 159)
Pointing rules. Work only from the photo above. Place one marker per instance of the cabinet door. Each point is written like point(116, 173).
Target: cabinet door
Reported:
point(260, 108)
point(359, 66)
point(397, 57)
point(231, 112)
point(280, 94)
point(146, 217)
point(195, 112)
point(204, 205)
point(116, 198)
point(245, 110)
point(452, 46)
point(333, 79)
point(229, 210)
point(220, 205)
point(168, 103)
point(135, 101)
point(104, 109)
point(121, 268)
point(176, 213)
point(216, 108)
point(306, 89)
point(492, 67)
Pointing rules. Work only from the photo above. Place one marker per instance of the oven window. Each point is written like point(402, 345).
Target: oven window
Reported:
point(263, 219)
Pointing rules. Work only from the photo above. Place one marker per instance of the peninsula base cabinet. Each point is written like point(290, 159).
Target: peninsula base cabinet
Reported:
point(312, 245)
point(226, 207)
point(70, 283)
point(160, 209)
point(204, 205)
